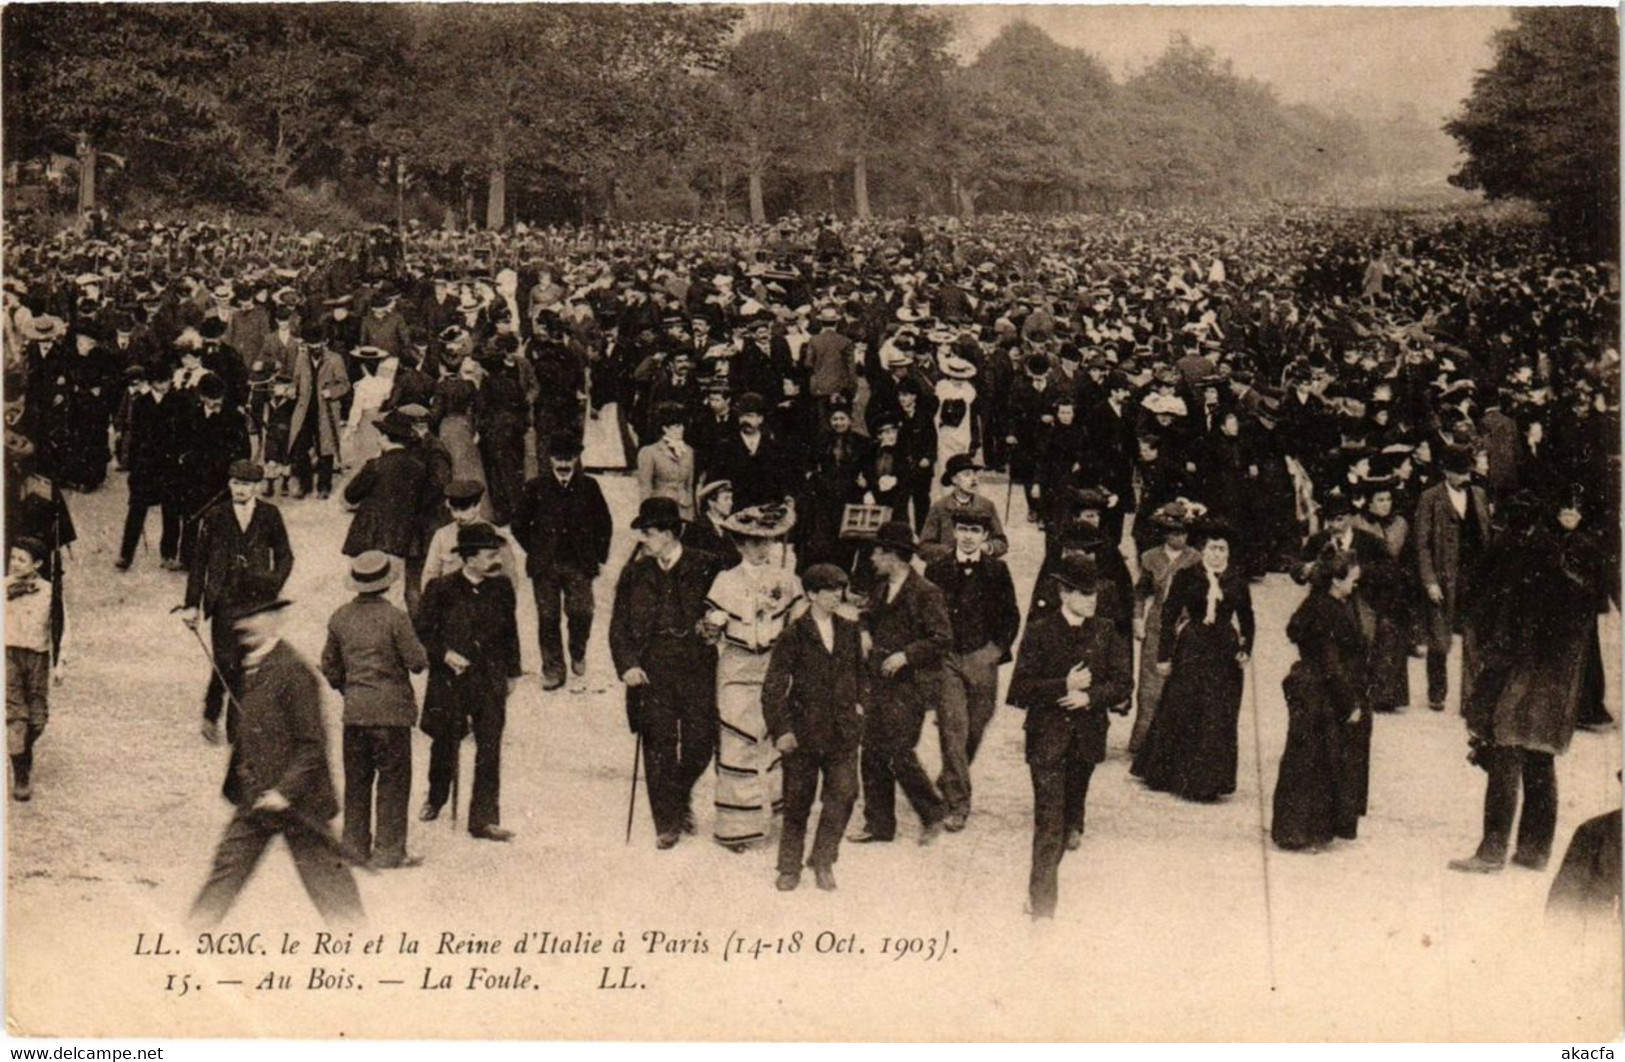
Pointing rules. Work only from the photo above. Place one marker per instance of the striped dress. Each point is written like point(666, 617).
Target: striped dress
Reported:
point(759, 600)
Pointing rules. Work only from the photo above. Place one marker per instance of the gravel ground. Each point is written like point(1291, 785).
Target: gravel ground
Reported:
point(1175, 921)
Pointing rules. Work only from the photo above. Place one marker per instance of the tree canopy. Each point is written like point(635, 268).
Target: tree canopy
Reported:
point(1542, 123)
point(549, 112)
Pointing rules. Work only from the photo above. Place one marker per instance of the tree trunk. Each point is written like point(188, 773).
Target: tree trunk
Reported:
point(87, 174)
point(758, 206)
point(965, 194)
point(860, 186)
point(468, 204)
point(496, 199)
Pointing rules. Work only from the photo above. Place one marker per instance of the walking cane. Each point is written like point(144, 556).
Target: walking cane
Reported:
point(456, 777)
point(1009, 493)
point(632, 804)
point(1263, 828)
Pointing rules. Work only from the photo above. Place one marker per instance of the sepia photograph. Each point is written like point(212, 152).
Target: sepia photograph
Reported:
point(670, 522)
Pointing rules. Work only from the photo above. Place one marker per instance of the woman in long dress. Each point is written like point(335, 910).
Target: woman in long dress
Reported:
point(1389, 588)
point(453, 413)
point(748, 608)
point(1206, 636)
point(1320, 791)
point(362, 442)
point(666, 466)
point(1157, 570)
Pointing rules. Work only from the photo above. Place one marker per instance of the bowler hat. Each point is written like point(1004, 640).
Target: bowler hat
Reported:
point(751, 402)
point(475, 537)
point(956, 464)
point(254, 606)
point(896, 536)
point(461, 493)
point(658, 513)
point(1457, 459)
point(394, 425)
point(212, 328)
point(371, 572)
point(1079, 573)
point(246, 471)
point(211, 386)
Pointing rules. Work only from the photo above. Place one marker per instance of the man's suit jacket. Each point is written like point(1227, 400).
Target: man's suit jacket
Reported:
point(396, 498)
point(230, 565)
point(563, 526)
point(1051, 649)
point(816, 693)
point(281, 742)
point(916, 624)
point(984, 600)
point(1438, 536)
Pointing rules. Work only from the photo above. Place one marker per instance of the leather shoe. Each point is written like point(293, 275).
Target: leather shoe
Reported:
point(688, 820)
point(787, 882)
point(1530, 862)
point(930, 834)
point(428, 812)
point(865, 837)
point(954, 822)
point(122, 564)
point(666, 840)
point(491, 833)
point(824, 877)
point(1074, 839)
point(1437, 706)
point(406, 862)
point(1476, 865)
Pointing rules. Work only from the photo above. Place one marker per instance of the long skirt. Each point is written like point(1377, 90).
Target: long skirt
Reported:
point(749, 779)
point(1148, 690)
point(1190, 748)
point(1390, 663)
point(1322, 785)
point(1593, 685)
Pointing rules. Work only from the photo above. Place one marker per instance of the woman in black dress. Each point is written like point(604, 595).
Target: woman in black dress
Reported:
point(1207, 634)
point(1320, 791)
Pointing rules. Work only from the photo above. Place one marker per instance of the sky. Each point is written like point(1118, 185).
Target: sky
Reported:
point(1366, 59)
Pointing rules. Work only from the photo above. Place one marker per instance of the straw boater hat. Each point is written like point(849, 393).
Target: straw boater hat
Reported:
point(371, 573)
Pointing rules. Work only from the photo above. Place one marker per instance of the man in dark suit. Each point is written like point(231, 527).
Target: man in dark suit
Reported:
point(1072, 667)
point(155, 433)
point(982, 607)
point(469, 630)
point(812, 700)
point(668, 668)
point(279, 779)
point(214, 434)
point(395, 497)
point(751, 459)
point(1452, 533)
point(910, 631)
point(564, 526)
point(242, 555)
point(1108, 457)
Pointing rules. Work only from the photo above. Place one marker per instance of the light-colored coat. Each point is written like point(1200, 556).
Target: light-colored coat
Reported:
point(320, 389)
point(661, 474)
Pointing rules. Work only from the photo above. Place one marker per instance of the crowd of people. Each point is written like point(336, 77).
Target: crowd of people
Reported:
point(1417, 416)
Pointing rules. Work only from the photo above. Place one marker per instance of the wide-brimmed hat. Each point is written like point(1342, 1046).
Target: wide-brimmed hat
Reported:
point(768, 520)
point(47, 328)
point(956, 464)
point(371, 572)
point(711, 487)
point(658, 513)
point(475, 537)
point(829, 315)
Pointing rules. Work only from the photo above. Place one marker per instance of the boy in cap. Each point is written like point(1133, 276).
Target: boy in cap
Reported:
point(463, 497)
point(278, 778)
point(469, 630)
point(370, 656)
point(812, 700)
point(35, 624)
point(1072, 666)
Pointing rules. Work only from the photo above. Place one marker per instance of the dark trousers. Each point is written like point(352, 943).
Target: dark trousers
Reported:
point(301, 447)
point(414, 591)
point(135, 520)
point(484, 807)
point(919, 492)
point(970, 687)
point(893, 764)
point(377, 758)
point(228, 661)
point(678, 743)
point(1440, 630)
point(562, 593)
point(1059, 793)
point(327, 880)
point(1508, 766)
point(802, 769)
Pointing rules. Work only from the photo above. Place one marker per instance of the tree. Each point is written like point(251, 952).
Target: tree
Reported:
point(768, 96)
point(876, 65)
point(1543, 122)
